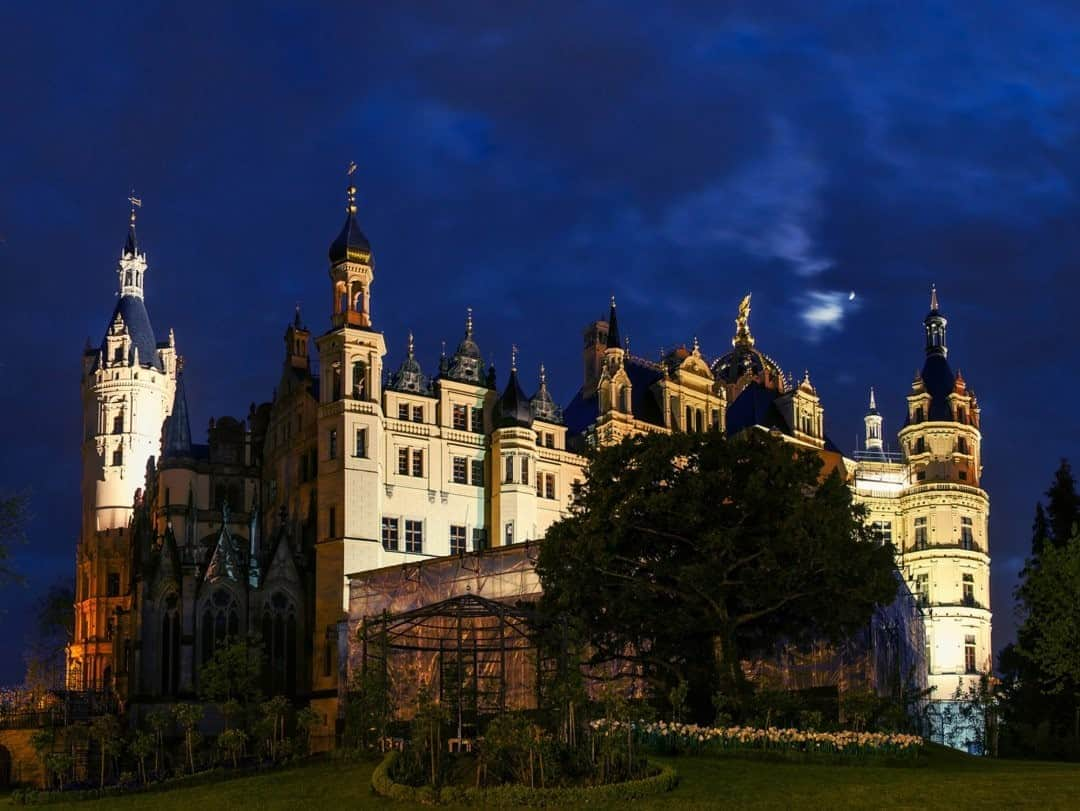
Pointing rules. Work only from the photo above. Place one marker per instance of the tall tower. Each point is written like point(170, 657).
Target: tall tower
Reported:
point(128, 383)
point(945, 512)
point(350, 416)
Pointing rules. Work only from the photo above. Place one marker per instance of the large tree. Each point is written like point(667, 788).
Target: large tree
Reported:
point(13, 517)
point(686, 553)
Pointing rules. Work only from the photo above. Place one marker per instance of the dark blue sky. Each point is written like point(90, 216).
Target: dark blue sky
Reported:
point(529, 161)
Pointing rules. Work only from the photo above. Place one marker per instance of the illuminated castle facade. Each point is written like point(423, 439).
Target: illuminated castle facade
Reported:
point(356, 464)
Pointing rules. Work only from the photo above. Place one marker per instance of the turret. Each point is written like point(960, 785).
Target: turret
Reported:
point(873, 422)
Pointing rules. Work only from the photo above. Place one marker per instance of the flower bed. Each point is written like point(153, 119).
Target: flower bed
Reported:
point(674, 737)
point(514, 796)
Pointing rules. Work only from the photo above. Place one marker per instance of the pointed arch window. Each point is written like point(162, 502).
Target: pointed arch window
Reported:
point(220, 622)
point(170, 645)
point(279, 645)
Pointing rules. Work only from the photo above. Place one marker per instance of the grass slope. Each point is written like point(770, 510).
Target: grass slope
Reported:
point(948, 779)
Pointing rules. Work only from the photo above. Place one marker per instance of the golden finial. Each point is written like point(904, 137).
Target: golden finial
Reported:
point(543, 376)
point(410, 344)
point(933, 298)
point(350, 190)
point(742, 324)
point(468, 322)
point(135, 203)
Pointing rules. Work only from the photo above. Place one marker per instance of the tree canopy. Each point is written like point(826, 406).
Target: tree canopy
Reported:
point(13, 517)
point(686, 553)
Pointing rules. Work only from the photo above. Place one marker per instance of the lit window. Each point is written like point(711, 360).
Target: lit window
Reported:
point(967, 537)
point(969, 589)
point(460, 472)
point(403, 461)
point(457, 540)
point(922, 590)
point(920, 532)
point(883, 531)
point(461, 418)
point(390, 534)
point(969, 654)
point(414, 537)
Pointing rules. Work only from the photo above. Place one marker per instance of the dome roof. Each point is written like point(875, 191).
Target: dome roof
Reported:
point(409, 376)
point(514, 407)
point(466, 365)
point(744, 359)
point(350, 242)
point(542, 405)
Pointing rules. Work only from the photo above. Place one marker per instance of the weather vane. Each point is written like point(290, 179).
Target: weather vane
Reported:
point(136, 202)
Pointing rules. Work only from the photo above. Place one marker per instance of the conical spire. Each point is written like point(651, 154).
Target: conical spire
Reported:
point(613, 340)
point(131, 244)
point(873, 404)
point(350, 244)
point(935, 324)
point(542, 404)
point(933, 298)
point(178, 427)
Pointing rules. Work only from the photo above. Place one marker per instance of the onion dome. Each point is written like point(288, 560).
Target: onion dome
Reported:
point(513, 406)
point(542, 406)
point(744, 359)
point(466, 366)
point(409, 376)
point(350, 244)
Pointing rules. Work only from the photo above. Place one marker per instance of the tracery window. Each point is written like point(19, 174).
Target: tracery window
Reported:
point(279, 645)
point(220, 622)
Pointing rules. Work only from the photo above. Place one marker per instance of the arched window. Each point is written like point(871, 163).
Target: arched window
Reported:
point(359, 380)
point(220, 622)
point(170, 646)
point(279, 645)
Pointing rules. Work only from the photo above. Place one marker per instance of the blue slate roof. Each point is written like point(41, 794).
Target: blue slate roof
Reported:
point(350, 237)
point(133, 311)
point(939, 381)
point(178, 426)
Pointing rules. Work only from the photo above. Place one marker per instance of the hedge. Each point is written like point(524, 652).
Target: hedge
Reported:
point(513, 796)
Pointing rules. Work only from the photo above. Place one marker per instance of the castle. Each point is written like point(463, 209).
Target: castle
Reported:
point(352, 467)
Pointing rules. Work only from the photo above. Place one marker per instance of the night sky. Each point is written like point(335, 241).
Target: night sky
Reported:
point(530, 162)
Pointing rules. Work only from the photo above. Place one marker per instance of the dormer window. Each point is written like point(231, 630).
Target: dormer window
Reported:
point(920, 415)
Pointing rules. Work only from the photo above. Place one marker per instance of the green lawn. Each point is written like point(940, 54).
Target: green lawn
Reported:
point(948, 780)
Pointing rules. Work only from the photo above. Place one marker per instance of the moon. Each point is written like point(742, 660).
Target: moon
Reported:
point(851, 296)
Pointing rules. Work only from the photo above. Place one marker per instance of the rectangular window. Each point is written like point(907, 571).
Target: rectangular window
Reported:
point(118, 424)
point(509, 470)
point(549, 440)
point(460, 467)
point(112, 585)
point(524, 469)
point(549, 486)
point(969, 590)
point(508, 535)
point(414, 536)
point(417, 413)
point(716, 419)
point(390, 534)
point(477, 420)
point(118, 457)
point(883, 531)
point(331, 523)
point(461, 418)
point(967, 537)
point(403, 411)
point(539, 484)
point(922, 590)
point(332, 443)
point(969, 654)
point(688, 424)
point(479, 539)
point(361, 443)
point(418, 463)
point(478, 472)
point(457, 540)
point(920, 533)
point(403, 461)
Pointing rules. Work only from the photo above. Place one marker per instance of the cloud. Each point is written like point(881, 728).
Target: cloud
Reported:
point(823, 310)
point(770, 209)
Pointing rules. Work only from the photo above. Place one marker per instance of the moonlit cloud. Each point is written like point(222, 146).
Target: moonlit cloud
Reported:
point(823, 310)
